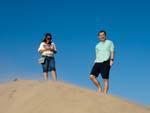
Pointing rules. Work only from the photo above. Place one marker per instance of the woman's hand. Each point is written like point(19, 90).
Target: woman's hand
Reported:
point(52, 48)
point(41, 51)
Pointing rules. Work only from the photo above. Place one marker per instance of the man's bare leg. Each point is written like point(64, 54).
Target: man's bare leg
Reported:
point(106, 86)
point(45, 75)
point(54, 75)
point(96, 82)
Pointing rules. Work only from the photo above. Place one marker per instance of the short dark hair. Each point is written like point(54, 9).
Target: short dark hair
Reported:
point(102, 31)
point(47, 34)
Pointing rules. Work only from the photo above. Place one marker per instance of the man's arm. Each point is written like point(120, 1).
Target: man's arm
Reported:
point(112, 55)
point(112, 58)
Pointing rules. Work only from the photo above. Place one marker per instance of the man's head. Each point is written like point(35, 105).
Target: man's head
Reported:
point(102, 35)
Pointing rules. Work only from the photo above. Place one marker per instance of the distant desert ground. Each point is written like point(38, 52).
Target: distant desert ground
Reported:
point(27, 96)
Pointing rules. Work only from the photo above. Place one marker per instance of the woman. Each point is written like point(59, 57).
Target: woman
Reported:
point(47, 50)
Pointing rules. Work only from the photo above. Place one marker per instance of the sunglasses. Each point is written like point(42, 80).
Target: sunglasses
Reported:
point(48, 38)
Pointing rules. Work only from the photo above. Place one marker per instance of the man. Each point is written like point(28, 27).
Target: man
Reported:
point(103, 63)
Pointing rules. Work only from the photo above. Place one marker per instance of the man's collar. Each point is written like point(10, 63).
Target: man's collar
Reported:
point(104, 41)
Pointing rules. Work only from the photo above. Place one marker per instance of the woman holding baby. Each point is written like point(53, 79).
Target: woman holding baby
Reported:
point(47, 50)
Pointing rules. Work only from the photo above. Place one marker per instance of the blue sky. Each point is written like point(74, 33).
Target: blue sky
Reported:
point(74, 25)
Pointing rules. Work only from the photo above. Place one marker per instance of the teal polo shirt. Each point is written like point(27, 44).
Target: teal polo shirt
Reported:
point(103, 51)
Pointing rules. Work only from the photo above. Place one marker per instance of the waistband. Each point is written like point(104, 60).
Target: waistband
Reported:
point(48, 56)
point(104, 61)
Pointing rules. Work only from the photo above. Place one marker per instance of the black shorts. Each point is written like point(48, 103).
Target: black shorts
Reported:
point(101, 68)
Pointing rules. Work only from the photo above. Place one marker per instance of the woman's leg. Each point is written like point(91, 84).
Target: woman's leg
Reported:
point(45, 75)
point(54, 75)
point(52, 68)
point(45, 69)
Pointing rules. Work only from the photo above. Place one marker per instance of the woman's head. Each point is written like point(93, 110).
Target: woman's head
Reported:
point(48, 38)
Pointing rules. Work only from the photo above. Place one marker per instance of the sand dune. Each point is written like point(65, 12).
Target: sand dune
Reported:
point(56, 97)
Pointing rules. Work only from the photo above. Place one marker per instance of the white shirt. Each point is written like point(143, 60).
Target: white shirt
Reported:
point(48, 53)
point(103, 51)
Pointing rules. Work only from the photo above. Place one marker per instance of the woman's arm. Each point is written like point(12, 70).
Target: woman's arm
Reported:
point(54, 48)
point(42, 48)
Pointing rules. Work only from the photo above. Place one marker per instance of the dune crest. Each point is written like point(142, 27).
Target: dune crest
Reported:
point(26, 96)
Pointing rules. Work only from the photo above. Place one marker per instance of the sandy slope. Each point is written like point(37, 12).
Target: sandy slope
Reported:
point(56, 97)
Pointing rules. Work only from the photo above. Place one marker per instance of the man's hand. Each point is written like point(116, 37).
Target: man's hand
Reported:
point(111, 63)
point(112, 58)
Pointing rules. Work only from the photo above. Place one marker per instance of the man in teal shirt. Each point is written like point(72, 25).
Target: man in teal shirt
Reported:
point(103, 63)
